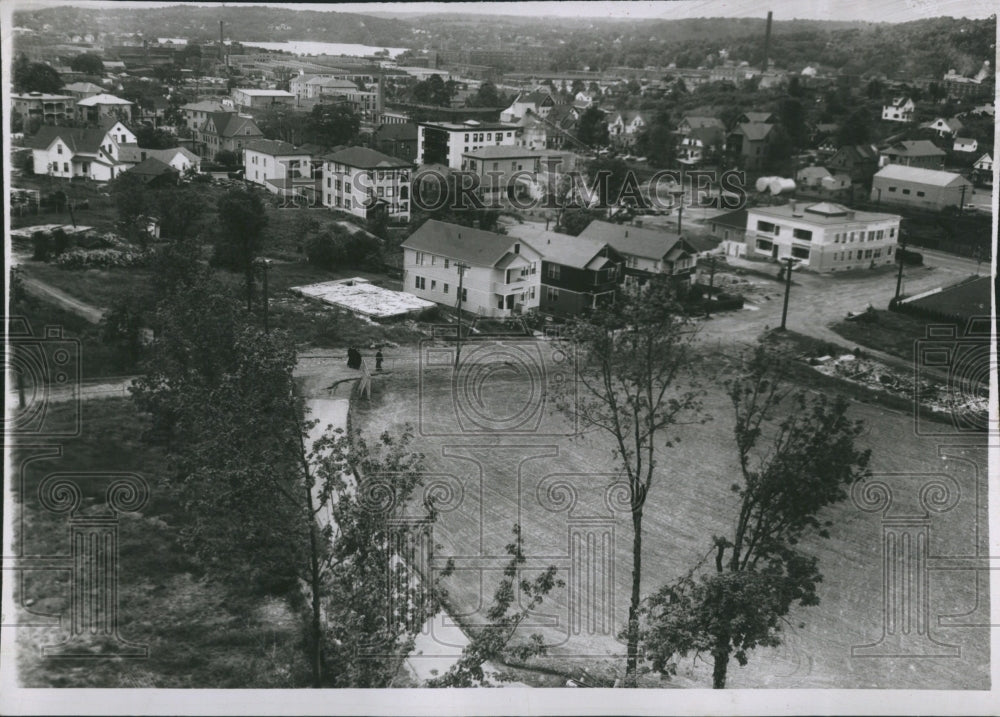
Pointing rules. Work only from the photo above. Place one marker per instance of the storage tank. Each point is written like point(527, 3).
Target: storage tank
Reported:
point(764, 183)
point(780, 185)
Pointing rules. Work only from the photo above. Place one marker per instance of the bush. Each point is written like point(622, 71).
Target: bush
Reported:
point(102, 258)
point(42, 244)
point(61, 242)
point(909, 257)
point(227, 158)
point(430, 315)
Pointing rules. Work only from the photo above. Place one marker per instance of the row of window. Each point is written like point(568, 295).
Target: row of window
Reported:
point(420, 282)
point(347, 203)
point(486, 136)
point(907, 191)
point(861, 254)
point(848, 237)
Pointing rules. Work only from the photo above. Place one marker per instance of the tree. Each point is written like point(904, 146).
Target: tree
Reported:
point(658, 142)
point(331, 125)
point(121, 329)
point(227, 158)
point(486, 96)
point(856, 129)
point(493, 642)
point(635, 385)
point(242, 220)
point(592, 128)
point(133, 205)
point(34, 76)
point(610, 175)
point(434, 91)
point(797, 456)
point(792, 116)
point(181, 210)
point(154, 138)
point(88, 63)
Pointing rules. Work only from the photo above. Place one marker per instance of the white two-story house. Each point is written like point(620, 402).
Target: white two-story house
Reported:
point(68, 152)
point(647, 251)
point(824, 237)
point(276, 165)
point(364, 182)
point(899, 110)
point(499, 275)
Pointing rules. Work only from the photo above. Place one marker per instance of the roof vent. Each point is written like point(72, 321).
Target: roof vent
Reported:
point(796, 211)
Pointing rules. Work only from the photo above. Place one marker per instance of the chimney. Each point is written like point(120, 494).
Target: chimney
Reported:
point(767, 43)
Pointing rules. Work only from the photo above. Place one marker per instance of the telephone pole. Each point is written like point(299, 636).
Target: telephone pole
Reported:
point(900, 256)
point(461, 275)
point(711, 281)
point(788, 289)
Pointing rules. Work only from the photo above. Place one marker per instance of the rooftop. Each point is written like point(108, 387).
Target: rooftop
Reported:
point(365, 158)
point(914, 148)
point(637, 241)
point(252, 92)
point(934, 177)
point(467, 244)
point(102, 99)
point(503, 152)
point(275, 148)
point(361, 297)
point(470, 126)
point(558, 248)
point(822, 213)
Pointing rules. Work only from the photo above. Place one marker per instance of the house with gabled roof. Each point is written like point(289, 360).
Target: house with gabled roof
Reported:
point(965, 144)
point(270, 159)
point(195, 113)
point(646, 251)
point(921, 188)
point(538, 102)
point(96, 108)
point(748, 143)
point(901, 109)
point(913, 153)
point(153, 172)
point(625, 126)
point(755, 118)
point(82, 90)
point(500, 274)
point(365, 182)
point(226, 131)
point(68, 152)
point(578, 274)
point(696, 144)
point(944, 127)
point(982, 170)
point(857, 161)
point(178, 158)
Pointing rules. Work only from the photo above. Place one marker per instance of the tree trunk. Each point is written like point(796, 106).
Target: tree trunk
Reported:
point(314, 586)
point(632, 662)
point(720, 657)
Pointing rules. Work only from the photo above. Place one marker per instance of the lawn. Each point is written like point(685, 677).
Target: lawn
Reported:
point(555, 487)
point(886, 331)
point(98, 287)
point(198, 633)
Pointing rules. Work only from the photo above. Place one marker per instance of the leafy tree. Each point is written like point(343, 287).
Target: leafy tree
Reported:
point(492, 644)
point(658, 142)
point(633, 379)
point(614, 172)
point(227, 158)
point(34, 76)
point(133, 205)
point(88, 63)
point(242, 220)
point(181, 210)
point(574, 221)
point(331, 125)
point(278, 122)
point(486, 96)
point(792, 116)
point(856, 129)
point(797, 456)
point(154, 138)
point(592, 128)
point(121, 329)
point(434, 91)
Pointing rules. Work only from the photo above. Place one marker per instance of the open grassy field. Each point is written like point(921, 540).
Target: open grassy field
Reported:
point(888, 331)
point(98, 287)
point(556, 488)
point(198, 633)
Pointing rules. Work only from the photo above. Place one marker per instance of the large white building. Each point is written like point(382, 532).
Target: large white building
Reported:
point(362, 182)
point(250, 97)
point(446, 142)
point(501, 275)
point(68, 152)
point(267, 160)
point(824, 236)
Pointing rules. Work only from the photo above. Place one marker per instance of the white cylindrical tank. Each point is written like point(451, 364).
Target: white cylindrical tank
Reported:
point(779, 185)
point(764, 183)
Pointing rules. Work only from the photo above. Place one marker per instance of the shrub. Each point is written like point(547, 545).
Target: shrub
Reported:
point(102, 258)
point(42, 244)
point(430, 314)
point(61, 242)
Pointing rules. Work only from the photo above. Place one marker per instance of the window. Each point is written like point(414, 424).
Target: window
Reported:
point(892, 189)
point(517, 248)
point(920, 194)
point(433, 285)
point(419, 258)
point(329, 199)
point(802, 234)
point(766, 227)
point(65, 166)
point(465, 294)
point(531, 294)
point(445, 288)
point(58, 149)
point(447, 263)
point(508, 135)
point(419, 282)
point(553, 271)
point(800, 252)
point(496, 166)
point(764, 244)
point(906, 191)
point(849, 255)
point(551, 295)
point(892, 232)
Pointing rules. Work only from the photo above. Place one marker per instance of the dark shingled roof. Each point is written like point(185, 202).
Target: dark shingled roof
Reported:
point(637, 241)
point(77, 139)
point(365, 158)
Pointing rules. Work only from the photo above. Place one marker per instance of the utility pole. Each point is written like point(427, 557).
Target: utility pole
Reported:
point(461, 275)
point(788, 289)
point(265, 264)
point(961, 208)
point(711, 281)
point(900, 256)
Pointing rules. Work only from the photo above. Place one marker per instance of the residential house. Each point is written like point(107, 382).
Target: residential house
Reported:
point(364, 182)
point(95, 108)
point(226, 131)
point(646, 252)
point(45, 107)
point(154, 173)
point(500, 170)
point(83, 90)
point(748, 143)
point(920, 188)
point(982, 170)
point(965, 144)
point(275, 165)
point(248, 97)
point(692, 122)
point(901, 109)
point(857, 161)
point(625, 126)
point(731, 229)
point(824, 236)
point(539, 103)
point(944, 127)
point(577, 274)
point(333, 90)
point(195, 113)
point(913, 153)
point(446, 142)
point(697, 145)
point(299, 86)
point(560, 126)
point(755, 118)
point(397, 140)
point(811, 177)
point(500, 275)
point(178, 158)
point(67, 152)
point(583, 99)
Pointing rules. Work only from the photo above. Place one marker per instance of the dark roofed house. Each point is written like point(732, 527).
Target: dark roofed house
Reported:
point(913, 153)
point(748, 143)
point(731, 229)
point(226, 131)
point(397, 140)
point(857, 161)
point(647, 251)
point(364, 181)
point(154, 172)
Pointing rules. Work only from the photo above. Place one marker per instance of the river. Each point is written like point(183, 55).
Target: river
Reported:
point(308, 47)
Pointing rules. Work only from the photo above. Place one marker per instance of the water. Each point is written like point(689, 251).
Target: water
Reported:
point(306, 47)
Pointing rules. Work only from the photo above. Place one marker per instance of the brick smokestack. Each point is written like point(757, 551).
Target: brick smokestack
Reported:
point(767, 43)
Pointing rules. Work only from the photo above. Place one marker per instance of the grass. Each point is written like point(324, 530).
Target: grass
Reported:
point(498, 481)
point(887, 331)
point(96, 359)
point(98, 287)
point(198, 634)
